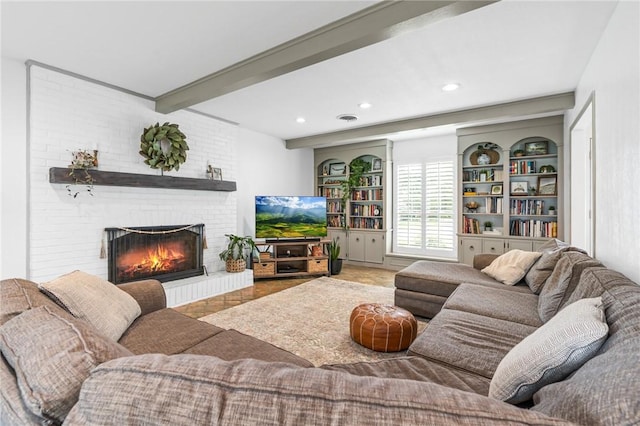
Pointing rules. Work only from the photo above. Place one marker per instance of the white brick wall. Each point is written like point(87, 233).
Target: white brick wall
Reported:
point(68, 114)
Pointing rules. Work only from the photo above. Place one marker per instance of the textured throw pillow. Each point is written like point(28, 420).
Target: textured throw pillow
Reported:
point(551, 252)
point(511, 267)
point(551, 352)
point(95, 300)
point(52, 354)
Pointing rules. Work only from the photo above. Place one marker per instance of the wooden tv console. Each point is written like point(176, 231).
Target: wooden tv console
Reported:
point(291, 258)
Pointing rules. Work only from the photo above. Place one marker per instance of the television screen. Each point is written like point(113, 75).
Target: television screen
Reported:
point(291, 217)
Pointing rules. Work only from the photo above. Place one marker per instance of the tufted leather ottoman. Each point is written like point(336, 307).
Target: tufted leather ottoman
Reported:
point(383, 328)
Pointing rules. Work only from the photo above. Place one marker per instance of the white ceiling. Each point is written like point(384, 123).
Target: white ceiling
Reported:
point(506, 51)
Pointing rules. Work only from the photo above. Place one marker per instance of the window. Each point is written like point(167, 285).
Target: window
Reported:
point(425, 209)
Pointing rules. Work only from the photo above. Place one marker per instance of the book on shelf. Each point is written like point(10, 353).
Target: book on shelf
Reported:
point(471, 226)
point(522, 167)
point(533, 228)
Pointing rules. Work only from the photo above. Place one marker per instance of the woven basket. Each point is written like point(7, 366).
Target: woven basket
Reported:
point(238, 265)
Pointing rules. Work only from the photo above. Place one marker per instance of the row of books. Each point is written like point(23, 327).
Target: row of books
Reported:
point(483, 175)
point(527, 207)
point(522, 167)
point(331, 192)
point(533, 228)
point(366, 223)
point(334, 207)
point(471, 226)
point(369, 210)
point(493, 205)
point(367, 194)
point(375, 180)
point(336, 221)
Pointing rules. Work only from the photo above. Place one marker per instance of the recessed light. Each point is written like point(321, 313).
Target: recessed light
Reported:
point(450, 87)
point(364, 105)
point(300, 120)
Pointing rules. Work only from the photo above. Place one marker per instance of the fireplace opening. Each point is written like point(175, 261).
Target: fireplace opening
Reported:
point(164, 253)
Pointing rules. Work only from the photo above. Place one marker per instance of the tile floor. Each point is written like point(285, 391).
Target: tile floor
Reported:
point(260, 288)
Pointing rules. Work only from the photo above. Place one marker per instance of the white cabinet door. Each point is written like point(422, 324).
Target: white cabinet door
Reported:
point(357, 242)
point(520, 245)
point(374, 248)
point(469, 247)
point(493, 246)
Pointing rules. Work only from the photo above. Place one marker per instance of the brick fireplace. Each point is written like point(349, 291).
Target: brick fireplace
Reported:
point(165, 253)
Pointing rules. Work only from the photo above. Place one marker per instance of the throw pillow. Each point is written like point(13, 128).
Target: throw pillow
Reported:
point(511, 267)
point(95, 300)
point(552, 352)
point(52, 354)
point(551, 252)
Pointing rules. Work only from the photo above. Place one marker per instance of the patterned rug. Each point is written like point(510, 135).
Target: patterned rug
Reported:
point(310, 320)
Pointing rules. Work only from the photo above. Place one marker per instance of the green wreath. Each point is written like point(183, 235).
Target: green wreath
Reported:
point(163, 147)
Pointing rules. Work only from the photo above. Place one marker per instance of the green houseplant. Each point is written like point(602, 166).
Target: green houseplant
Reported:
point(235, 255)
point(335, 263)
point(488, 226)
point(357, 168)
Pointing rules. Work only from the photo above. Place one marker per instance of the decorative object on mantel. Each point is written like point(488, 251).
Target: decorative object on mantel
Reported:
point(163, 147)
point(81, 162)
point(237, 251)
point(485, 154)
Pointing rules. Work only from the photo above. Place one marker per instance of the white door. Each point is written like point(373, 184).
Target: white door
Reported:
point(582, 182)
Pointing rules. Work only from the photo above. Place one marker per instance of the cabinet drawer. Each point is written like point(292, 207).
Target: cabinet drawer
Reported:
point(264, 269)
point(320, 265)
point(493, 246)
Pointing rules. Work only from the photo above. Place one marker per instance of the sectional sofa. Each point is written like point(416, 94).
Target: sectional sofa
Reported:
point(483, 359)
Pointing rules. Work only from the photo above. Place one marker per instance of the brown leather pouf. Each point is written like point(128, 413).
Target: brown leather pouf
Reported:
point(383, 328)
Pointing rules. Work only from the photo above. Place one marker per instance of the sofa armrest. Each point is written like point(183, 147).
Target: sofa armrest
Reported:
point(481, 261)
point(149, 294)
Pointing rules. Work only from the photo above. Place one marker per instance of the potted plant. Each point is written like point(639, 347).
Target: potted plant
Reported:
point(518, 153)
point(488, 226)
point(236, 253)
point(552, 210)
point(334, 254)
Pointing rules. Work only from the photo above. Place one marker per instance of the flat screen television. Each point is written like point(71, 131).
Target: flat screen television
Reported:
point(291, 217)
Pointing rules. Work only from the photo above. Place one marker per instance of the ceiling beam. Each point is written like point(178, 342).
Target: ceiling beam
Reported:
point(540, 105)
point(371, 25)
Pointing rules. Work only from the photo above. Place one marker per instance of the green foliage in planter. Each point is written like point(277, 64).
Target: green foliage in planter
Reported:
point(334, 249)
point(238, 248)
point(357, 168)
point(163, 147)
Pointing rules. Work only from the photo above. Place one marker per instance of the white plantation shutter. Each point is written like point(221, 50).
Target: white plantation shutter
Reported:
point(409, 210)
point(424, 222)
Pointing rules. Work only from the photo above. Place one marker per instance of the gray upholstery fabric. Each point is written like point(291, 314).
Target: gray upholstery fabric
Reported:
point(562, 282)
point(471, 342)
point(495, 303)
point(167, 332)
point(550, 353)
point(231, 344)
point(95, 300)
point(191, 389)
point(542, 269)
point(417, 368)
point(605, 390)
point(419, 304)
point(52, 355)
point(13, 411)
point(438, 278)
point(18, 295)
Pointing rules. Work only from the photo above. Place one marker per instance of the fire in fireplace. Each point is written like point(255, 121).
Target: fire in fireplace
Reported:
point(164, 253)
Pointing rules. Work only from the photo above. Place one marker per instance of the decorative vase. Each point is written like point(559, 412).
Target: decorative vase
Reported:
point(336, 266)
point(235, 265)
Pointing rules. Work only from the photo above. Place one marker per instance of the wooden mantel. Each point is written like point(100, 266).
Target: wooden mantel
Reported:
point(104, 178)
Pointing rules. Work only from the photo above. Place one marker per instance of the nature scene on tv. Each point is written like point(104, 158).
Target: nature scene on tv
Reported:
point(290, 217)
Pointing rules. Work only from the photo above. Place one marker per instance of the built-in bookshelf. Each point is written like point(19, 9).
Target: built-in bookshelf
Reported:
point(510, 186)
point(358, 218)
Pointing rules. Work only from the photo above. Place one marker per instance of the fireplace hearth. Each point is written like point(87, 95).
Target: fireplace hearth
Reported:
point(164, 253)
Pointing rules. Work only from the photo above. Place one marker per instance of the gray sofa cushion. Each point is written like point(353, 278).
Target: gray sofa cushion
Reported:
point(551, 352)
point(542, 269)
point(166, 331)
point(18, 295)
point(52, 355)
point(605, 390)
point(563, 281)
point(495, 303)
point(417, 368)
point(192, 389)
point(468, 341)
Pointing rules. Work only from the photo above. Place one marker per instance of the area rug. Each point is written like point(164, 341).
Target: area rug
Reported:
point(310, 320)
